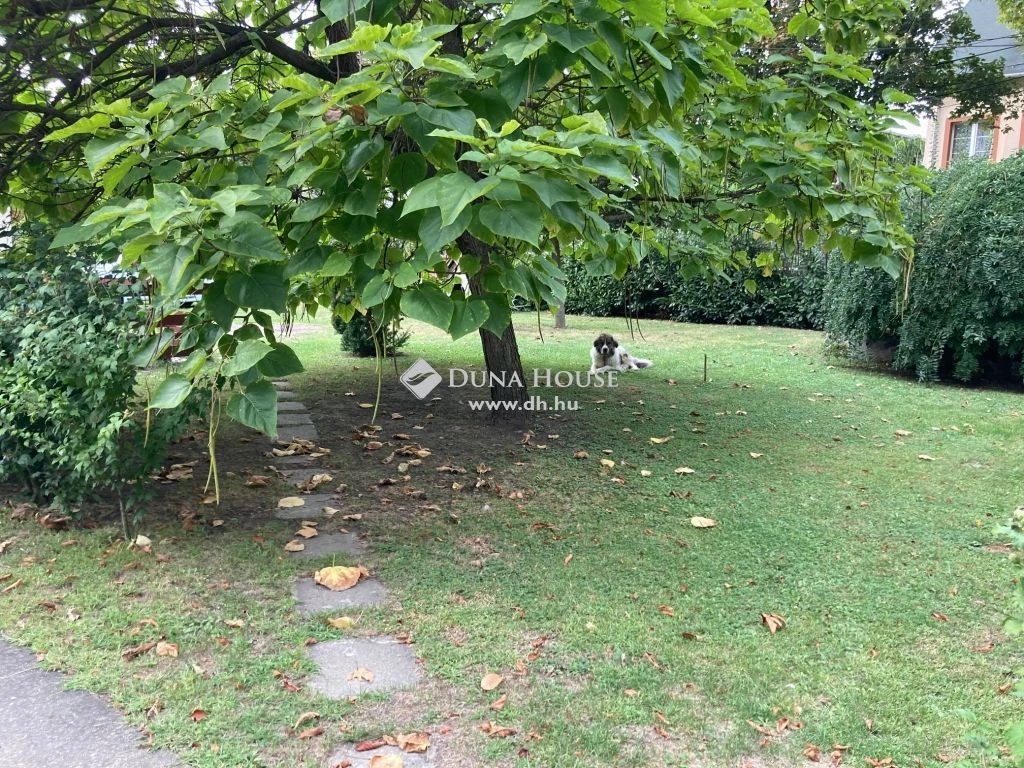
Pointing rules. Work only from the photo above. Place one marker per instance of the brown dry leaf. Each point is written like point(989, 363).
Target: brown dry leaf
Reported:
point(499, 704)
point(167, 649)
point(685, 471)
point(491, 680)
point(1006, 687)
point(660, 440)
point(304, 717)
point(756, 455)
point(763, 730)
point(138, 650)
point(338, 578)
point(925, 457)
point(417, 741)
point(903, 433)
point(294, 546)
point(7, 543)
point(353, 518)
point(607, 463)
point(939, 616)
point(581, 455)
point(361, 673)
point(812, 753)
point(258, 481)
point(773, 621)
point(568, 559)
point(703, 522)
point(370, 744)
point(645, 473)
point(234, 623)
point(310, 733)
point(386, 761)
point(290, 501)
point(341, 622)
point(666, 610)
point(985, 648)
point(307, 532)
point(494, 730)
point(197, 715)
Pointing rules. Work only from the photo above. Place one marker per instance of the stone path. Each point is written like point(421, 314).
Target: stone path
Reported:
point(348, 667)
point(44, 726)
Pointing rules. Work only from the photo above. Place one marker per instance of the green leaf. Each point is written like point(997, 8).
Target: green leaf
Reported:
point(450, 193)
point(256, 407)
point(571, 38)
point(99, 151)
point(220, 307)
point(89, 125)
point(311, 210)
point(246, 236)
point(407, 170)
point(212, 137)
point(263, 288)
point(434, 236)
point(171, 266)
point(280, 361)
point(519, 50)
point(376, 291)
point(171, 393)
point(498, 314)
point(338, 264)
point(246, 355)
point(521, 221)
point(429, 304)
point(467, 316)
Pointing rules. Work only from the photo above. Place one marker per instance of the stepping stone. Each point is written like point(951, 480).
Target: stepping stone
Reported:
point(285, 394)
point(313, 508)
point(298, 431)
point(287, 419)
point(299, 459)
point(280, 384)
point(296, 476)
point(313, 598)
point(291, 405)
point(332, 544)
point(362, 759)
point(392, 663)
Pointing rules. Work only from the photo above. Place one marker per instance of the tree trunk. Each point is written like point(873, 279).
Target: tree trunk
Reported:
point(560, 315)
point(501, 353)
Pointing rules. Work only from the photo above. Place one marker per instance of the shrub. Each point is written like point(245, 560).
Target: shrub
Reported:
point(357, 334)
point(964, 310)
point(790, 297)
point(69, 429)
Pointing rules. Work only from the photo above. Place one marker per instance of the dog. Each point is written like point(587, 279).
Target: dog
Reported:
point(607, 355)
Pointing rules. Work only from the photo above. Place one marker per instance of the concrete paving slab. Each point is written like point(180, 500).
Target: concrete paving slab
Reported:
point(362, 759)
point(334, 543)
point(313, 598)
point(295, 476)
point(292, 418)
point(293, 460)
point(312, 508)
point(392, 663)
point(44, 726)
point(285, 394)
point(298, 431)
point(291, 405)
point(280, 383)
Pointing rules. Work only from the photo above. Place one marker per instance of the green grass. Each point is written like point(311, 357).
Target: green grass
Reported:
point(838, 526)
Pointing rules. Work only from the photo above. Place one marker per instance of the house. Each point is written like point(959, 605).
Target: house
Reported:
point(949, 138)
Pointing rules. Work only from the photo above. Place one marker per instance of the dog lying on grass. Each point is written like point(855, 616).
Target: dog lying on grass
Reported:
point(608, 355)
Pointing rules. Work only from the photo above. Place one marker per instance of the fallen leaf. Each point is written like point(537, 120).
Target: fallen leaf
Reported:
point(386, 761)
point(925, 457)
point(7, 543)
point(499, 704)
point(491, 680)
point(338, 578)
point(756, 455)
point(290, 501)
point(685, 471)
point(660, 440)
point(142, 541)
point(304, 717)
point(666, 610)
point(167, 649)
point(370, 744)
point(258, 481)
point(939, 616)
point(903, 433)
point(341, 622)
point(568, 559)
point(985, 648)
point(310, 733)
point(494, 730)
point(703, 522)
point(353, 518)
point(307, 532)
point(197, 715)
point(607, 463)
point(11, 587)
point(417, 741)
point(645, 473)
point(812, 753)
point(294, 546)
point(361, 673)
point(773, 621)
point(138, 650)
point(235, 623)
point(581, 455)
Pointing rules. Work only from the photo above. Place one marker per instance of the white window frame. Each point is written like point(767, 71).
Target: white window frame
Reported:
point(972, 146)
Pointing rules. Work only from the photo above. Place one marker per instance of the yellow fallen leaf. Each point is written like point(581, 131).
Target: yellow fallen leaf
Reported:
point(645, 473)
point(703, 522)
point(491, 681)
point(386, 761)
point(756, 455)
point(339, 577)
point(417, 741)
point(290, 501)
point(366, 405)
point(310, 523)
point(685, 471)
point(342, 622)
point(660, 440)
point(294, 546)
point(167, 649)
point(607, 463)
point(926, 457)
point(773, 621)
point(307, 532)
point(361, 673)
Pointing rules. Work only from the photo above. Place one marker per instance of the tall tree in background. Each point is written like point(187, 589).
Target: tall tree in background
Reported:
point(284, 153)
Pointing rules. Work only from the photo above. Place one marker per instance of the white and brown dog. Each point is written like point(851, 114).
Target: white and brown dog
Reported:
point(607, 355)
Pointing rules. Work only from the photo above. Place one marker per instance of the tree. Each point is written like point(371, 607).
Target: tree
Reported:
point(278, 152)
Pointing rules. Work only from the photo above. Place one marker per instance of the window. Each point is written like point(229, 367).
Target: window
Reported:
point(970, 140)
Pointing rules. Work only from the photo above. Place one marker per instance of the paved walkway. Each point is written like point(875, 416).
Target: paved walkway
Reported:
point(44, 726)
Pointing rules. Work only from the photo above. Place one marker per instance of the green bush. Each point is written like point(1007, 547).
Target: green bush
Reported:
point(964, 309)
point(791, 297)
point(357, 334)
point(69, 425)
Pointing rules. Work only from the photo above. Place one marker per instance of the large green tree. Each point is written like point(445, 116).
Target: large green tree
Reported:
point(283, 153)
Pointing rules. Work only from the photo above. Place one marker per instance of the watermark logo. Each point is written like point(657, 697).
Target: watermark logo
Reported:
point(420, 379)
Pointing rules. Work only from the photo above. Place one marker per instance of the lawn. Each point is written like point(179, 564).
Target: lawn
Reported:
point(857, 507)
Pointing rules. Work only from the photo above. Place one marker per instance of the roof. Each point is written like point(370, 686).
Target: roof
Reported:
point(995, 39)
